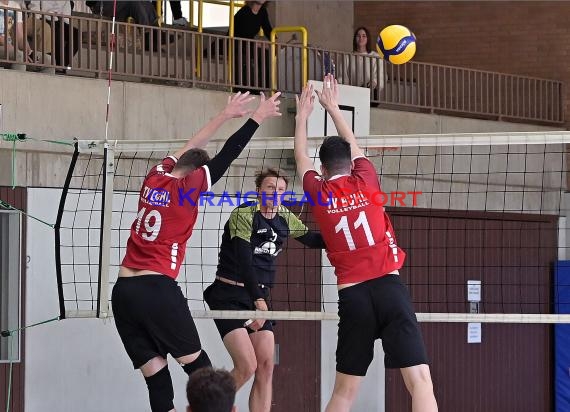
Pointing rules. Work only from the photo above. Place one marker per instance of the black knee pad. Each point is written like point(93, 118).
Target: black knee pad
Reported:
point(202, 361)
point(160, 391)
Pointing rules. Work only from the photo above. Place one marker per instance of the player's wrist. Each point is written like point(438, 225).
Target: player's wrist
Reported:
point(225, 115)
point(333, 108)
point(258, 117)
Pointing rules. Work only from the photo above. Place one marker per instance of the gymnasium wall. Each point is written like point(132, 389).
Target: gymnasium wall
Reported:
point(80, 364)
point(329, 23)
point(530, 38)
point(64, 107)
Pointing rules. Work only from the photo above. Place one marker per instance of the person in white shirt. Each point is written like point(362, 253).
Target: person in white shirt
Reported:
point(362, 68)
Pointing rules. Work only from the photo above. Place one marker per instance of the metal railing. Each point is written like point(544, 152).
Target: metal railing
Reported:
point(188, 58)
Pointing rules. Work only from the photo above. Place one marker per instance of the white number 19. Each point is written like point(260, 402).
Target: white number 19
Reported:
point(151, 230)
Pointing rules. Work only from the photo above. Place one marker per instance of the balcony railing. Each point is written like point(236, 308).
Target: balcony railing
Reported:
point(192, 59)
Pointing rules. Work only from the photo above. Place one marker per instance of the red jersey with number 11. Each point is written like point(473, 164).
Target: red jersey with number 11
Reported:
point(167, 212)
point(361, 244)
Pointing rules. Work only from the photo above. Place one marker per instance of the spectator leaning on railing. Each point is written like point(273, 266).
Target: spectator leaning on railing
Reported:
point(247, 22)
point(13, 32)
point(361, 67)
point(70, 34)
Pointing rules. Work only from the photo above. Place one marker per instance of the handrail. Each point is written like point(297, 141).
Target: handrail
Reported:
point(159, 12)
point(199, 39)
point(170, 54)
point(304, 58)
point(231, 43)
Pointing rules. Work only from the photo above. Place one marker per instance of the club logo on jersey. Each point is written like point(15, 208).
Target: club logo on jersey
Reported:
point(267, 248)
point(157, 196)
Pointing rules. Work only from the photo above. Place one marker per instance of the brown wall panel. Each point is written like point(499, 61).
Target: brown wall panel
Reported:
point(297, 376)
point(513, 257)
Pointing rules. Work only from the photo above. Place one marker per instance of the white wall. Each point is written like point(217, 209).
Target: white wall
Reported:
point(80, 364)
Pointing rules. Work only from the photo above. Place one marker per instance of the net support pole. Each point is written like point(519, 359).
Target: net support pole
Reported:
point(105, 234)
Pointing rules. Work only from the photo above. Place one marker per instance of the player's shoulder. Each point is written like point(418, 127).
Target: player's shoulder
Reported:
point(312, 173)
point(284, 212)
point(286, 215)
point(312, 177)
point(362, 163)
point(362, 160)
point(245, 208)
point(250, 204)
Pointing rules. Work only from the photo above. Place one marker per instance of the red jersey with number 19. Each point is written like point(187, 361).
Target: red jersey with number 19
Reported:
point(167, 212)
point(361, 244)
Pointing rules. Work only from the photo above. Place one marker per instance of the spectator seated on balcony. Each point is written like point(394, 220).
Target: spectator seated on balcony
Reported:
point(361, 67)
point(61, 44)
point(12, 37)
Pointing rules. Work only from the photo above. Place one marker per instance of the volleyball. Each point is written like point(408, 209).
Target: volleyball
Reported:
point(397, 44)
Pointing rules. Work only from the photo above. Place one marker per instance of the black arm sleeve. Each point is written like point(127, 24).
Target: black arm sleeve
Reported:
point(313, 240)
point(266, 24)
point(220, 163)
point(244, 257)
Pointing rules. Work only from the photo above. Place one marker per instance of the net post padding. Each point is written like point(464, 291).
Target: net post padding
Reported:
point(105, 234)
point(57, 232)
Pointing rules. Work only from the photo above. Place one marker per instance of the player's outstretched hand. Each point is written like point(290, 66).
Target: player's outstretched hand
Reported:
point(305, 103)
point(257, 324)
point(237, 105)
point(328, 97)
point(267, 108)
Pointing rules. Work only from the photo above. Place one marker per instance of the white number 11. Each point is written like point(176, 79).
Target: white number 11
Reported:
point(361, 221)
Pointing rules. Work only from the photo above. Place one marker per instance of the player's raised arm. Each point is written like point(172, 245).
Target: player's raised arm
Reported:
point(328, 98)
point(304, 110)
point(267, 108)
point(236, 107)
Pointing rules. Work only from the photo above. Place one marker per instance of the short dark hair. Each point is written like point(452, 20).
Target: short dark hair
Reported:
point(192, 159)
point(355, 45)
point(334, 154)
point(251, 3)
point(211, 390)
point(270, 172)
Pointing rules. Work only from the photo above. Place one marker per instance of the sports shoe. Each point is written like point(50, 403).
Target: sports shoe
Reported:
point(180, 22)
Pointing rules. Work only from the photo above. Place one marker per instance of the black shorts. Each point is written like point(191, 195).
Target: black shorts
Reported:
point(153, 319)
point(223, 296)
point(380, 308)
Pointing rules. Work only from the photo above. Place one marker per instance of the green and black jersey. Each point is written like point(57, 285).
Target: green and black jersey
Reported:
point(251, 242)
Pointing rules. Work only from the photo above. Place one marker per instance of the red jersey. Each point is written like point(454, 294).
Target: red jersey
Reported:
point(167, 212)
point(349, 211)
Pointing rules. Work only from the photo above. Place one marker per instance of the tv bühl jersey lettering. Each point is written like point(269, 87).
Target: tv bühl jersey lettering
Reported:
point(361, 244)
point(167, 212)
